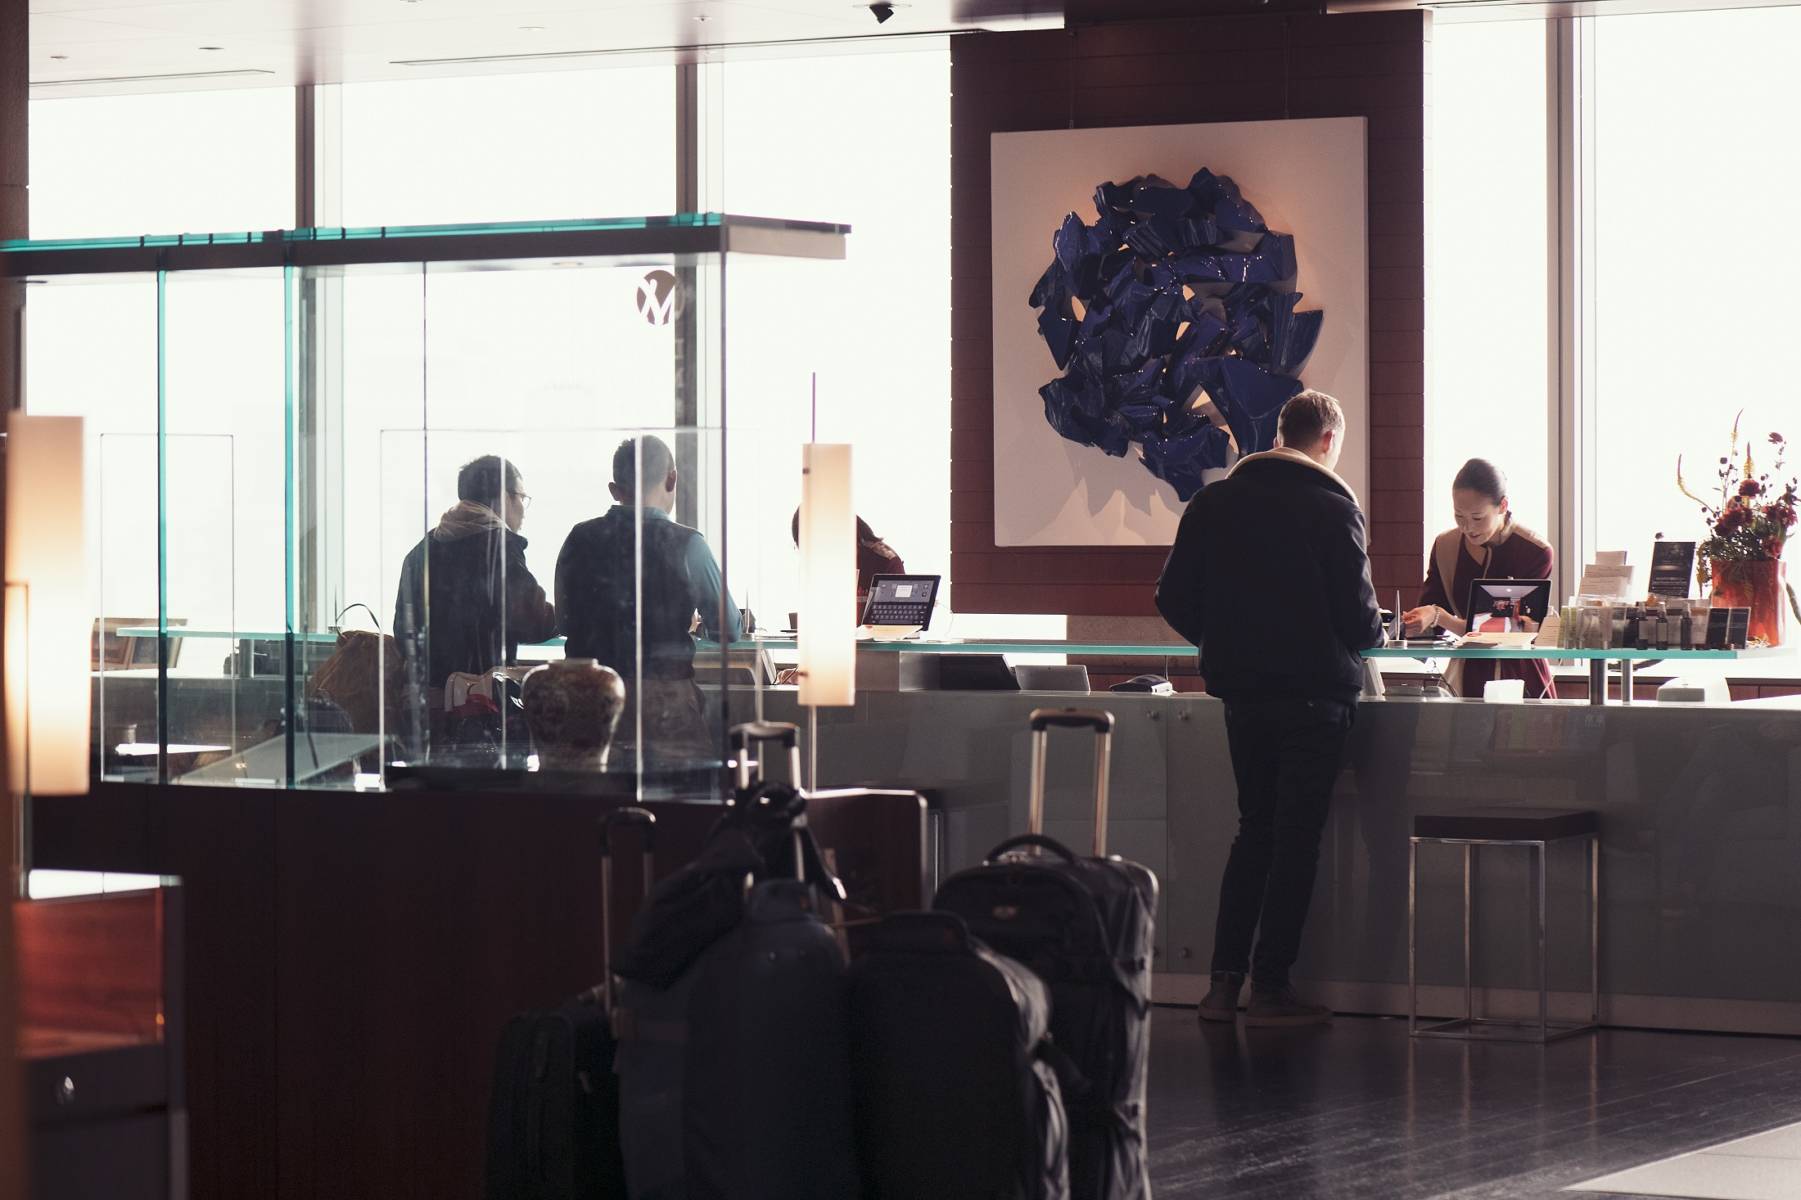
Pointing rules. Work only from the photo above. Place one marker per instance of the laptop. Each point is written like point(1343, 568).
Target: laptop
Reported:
point(899, 606)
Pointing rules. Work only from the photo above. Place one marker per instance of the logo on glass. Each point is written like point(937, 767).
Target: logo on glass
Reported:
point(657, 295)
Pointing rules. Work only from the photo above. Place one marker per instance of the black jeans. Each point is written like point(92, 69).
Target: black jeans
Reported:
point(1285, 755)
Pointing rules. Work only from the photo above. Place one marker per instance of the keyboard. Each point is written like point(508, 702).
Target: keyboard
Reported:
point(894, 614)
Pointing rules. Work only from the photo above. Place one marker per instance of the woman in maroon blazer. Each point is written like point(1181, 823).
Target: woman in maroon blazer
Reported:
point(1487, 544)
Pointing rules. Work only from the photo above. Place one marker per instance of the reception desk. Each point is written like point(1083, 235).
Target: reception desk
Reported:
point(1700, 816)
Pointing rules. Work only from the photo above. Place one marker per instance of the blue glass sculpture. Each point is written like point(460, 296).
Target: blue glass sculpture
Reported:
point(1172, 297)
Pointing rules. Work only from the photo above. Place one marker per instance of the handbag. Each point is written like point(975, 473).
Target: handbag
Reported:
point(363, 677)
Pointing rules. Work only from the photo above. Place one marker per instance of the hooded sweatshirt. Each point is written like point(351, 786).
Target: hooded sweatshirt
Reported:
point(466, 597)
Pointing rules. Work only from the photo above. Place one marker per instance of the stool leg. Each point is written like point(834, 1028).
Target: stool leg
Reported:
point(1594, 929)
point(1469, 909)
point(1539, 872)
point(1413, 988)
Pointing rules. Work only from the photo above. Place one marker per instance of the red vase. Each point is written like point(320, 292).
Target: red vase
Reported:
point(1761, 587)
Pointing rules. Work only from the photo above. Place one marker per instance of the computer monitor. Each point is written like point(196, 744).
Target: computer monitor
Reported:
point(901, 600)
point(1497, 605)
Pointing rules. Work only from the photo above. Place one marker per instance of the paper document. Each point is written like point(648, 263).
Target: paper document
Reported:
point(1499, 639)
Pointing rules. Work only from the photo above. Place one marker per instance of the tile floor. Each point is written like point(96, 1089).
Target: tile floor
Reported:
point(1764, 1166)
point(1357, 1110)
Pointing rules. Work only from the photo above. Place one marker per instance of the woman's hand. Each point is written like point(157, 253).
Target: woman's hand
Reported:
point(1419, 620)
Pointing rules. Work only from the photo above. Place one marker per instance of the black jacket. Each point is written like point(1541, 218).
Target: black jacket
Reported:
point(1270, 577)
point(598, 602)
point(483, 600)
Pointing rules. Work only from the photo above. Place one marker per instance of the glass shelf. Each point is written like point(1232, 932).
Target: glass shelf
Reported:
point(675, 233)
point(226, 635)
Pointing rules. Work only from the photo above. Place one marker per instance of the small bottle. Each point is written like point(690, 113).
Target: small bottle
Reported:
point(1688, 630)
point(1663, 627)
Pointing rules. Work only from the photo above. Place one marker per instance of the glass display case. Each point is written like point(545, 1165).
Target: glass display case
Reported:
point(342, 483)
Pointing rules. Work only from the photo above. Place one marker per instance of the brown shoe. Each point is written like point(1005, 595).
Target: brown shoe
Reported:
point(1221, 1001)
point(1279, 1006)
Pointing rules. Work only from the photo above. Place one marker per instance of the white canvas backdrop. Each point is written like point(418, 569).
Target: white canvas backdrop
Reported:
point(1307, 178)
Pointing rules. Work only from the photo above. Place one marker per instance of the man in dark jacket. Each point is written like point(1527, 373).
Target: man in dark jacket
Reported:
point(1269, 576)
point(636, 551)
point(466, 597)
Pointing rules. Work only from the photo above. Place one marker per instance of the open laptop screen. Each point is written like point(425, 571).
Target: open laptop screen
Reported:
point(1496, 605)
point(901, 600)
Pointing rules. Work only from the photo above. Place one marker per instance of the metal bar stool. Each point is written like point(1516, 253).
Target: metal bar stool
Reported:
point(1535, 829)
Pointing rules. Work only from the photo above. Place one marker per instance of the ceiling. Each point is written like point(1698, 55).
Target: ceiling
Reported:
point(89, 47)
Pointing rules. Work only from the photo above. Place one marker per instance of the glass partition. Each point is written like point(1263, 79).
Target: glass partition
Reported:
point(350, 487)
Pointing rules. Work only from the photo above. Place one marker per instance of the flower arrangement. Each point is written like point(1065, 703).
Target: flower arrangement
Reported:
point(1752, 519)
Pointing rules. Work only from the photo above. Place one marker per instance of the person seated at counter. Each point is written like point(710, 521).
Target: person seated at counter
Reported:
point(598, 585)
point(1487, 543)
point(481, 600)
point(874, 557)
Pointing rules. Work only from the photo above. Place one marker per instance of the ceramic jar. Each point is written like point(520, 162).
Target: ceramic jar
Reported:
point(571, 707)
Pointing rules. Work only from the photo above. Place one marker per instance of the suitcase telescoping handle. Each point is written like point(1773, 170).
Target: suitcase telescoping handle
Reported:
point(1043, 721)
point(646, 820)
point(755, 735)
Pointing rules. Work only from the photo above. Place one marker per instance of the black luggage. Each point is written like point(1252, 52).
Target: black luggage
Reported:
point(1084, 925)
point(553, 1118)
point(954, 1097)
point(734, 1060)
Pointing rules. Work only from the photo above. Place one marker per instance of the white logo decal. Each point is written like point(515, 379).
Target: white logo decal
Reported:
point(657, 295)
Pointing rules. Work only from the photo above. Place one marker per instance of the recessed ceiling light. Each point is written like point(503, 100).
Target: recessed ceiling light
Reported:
point(702, 18)
point(531, 29)
point(59, 58)
point(212, 47)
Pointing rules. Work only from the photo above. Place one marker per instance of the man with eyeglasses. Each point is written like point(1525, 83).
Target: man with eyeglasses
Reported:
point(634, 552)
point(466, 597)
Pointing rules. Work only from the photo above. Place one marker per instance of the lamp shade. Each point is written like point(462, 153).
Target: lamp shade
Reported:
point(828, 569)
point(49, 631)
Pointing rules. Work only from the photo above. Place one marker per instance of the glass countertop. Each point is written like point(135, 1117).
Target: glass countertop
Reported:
point(929, 645)
point(1569, 653)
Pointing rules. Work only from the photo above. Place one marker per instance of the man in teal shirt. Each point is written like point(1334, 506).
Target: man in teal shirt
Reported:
point(599, 587)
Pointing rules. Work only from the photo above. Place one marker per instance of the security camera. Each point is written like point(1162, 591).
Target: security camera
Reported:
point(882, 12)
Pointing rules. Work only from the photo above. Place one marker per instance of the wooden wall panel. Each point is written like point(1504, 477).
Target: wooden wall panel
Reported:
point(1261, 67)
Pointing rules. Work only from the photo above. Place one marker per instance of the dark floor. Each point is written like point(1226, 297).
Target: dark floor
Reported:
point(1357, 1110)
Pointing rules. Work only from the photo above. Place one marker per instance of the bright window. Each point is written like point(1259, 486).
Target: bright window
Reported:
point(1488, 279)
point(177, 162)
point(1694, 241)
point(862, 139)
point(506, 147)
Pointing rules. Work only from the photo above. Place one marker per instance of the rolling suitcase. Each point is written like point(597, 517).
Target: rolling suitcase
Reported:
point(1084, 925)
point(553, 1119)
point(954, 1097)
point(735, 1074)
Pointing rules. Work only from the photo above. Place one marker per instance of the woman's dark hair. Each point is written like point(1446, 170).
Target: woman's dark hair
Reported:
point(865, 535)
point(1483, 477)
point(487, 479)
